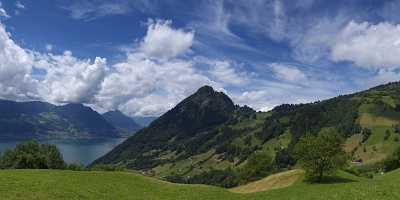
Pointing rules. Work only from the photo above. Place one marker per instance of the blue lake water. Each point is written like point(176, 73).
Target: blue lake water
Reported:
point(82, 151)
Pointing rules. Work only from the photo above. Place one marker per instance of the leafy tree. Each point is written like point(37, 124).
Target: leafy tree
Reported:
point(320, 155)
point(53, 157)
point(32, 155)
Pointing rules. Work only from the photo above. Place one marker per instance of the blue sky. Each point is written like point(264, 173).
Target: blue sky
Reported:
point(142, 57)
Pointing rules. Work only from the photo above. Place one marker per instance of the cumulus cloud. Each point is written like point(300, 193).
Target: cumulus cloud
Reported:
point(163, 41)
point(142, 86)
point(369, 45)
point(15, 70)
point(287, 73)
point(69, 79)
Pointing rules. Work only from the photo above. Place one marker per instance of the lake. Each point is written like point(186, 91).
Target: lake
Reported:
point(82, 151)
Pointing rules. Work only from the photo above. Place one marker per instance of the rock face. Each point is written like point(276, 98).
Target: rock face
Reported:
point(25, 120)
point(122, 122)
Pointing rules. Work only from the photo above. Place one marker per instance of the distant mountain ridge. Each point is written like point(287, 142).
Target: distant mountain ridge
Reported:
point(122, 122)
point(144, 121)
point(24, 120)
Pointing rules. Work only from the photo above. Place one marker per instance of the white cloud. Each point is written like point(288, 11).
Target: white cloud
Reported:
point(149, 87)
point(49, 47)
point(92, 9)
point(69, 79)
point(226, 72)
point(382, 76)
point(369, 45)
point(287, 73)
point(163, 41)
point(3, 12)
point(19, 5)
point(15, 70)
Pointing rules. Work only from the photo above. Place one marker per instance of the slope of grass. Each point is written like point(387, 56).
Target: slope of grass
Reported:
point(275, 181)
point(55, 185)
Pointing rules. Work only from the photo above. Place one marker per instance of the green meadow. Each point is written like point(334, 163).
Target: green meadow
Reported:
point(54, 185)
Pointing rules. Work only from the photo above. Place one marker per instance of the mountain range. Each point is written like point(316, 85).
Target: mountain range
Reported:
point(207, 132)
point(41, 120)
point(122, 122)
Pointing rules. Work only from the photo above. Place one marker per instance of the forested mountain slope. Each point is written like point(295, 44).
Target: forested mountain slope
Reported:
point(207, 135)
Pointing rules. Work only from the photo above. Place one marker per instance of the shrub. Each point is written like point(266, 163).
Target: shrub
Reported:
point(76, 167)
point(108, 167)
point(259, 165)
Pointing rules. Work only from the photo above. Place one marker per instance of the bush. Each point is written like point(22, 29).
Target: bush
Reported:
point(223, 178)
point(32, 155)
point(108, 167)
point(76, 167)
point(258, 166)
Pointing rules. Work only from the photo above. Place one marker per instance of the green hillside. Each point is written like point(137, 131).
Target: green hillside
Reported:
point(57, 185)
point(187, 143)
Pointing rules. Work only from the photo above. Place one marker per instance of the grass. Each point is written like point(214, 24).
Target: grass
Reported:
point(275, 181)
point(59, 185)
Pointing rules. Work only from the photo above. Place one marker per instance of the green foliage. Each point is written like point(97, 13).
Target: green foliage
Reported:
point(284, 159)
point(107, 167)
point(76, 167)
point(222, 178)
point(387, 135)
point(393, 162)
point(320, 155)
point(258, 166)
point(32, 155)
point(366, 132)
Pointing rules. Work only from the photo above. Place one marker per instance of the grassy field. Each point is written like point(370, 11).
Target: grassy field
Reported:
point(46, 184)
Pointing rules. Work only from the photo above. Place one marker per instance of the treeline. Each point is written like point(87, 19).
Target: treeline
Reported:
point(33, 155)
point(259, 165)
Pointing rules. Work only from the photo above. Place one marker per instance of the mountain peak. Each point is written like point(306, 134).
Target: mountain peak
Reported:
point(204, 108)
point(206, 89)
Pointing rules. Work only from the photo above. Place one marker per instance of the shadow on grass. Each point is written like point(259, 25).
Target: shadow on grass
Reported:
point(332, 180)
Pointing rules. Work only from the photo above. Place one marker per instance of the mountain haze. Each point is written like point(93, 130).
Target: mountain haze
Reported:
point(122, 122)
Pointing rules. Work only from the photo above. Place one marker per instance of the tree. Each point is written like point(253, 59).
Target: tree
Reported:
point(320, 155)
point(32, 155)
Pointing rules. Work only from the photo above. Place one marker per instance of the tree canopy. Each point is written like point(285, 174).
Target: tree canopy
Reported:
point(320, 155)
point(32, 155)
